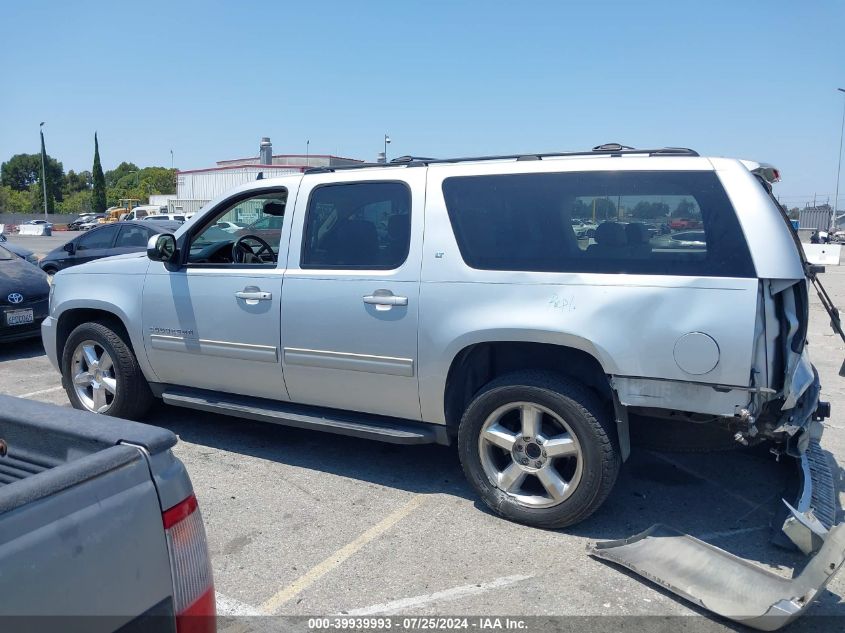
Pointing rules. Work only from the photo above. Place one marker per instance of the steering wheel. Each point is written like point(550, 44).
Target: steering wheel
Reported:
point(243, 253)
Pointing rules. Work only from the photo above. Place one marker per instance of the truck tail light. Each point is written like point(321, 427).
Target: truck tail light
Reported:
point(190, 567)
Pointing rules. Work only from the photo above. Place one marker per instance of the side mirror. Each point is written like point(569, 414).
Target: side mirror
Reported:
point(70, 248)
point(162, 248)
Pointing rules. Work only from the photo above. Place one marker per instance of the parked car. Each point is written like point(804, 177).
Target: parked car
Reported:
point(501, 332)
point(682, 239)
point(229, 227)
point(164, 217)
point(23, 297)
point(20, 251)
point(99, 526)
point(82, 219)
point(142, 211)
point(268, 227)
point(680, 224)
point(89, 224)
point(43, 223)
point(104, 240)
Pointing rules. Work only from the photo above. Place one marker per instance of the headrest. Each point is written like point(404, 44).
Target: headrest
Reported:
point(274, 208)
point(637, 233)
point(611, 234)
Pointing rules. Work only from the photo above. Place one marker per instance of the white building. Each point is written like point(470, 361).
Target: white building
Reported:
point(195, 187)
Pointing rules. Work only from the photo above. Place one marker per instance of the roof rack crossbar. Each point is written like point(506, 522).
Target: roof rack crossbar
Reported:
point(602, 150)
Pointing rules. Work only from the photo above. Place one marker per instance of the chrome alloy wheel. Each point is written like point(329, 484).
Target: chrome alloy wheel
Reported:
point(530, 453)
point(92, 373)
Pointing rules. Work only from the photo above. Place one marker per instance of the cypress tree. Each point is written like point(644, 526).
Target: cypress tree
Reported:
point(46, 185)
point(99, 197)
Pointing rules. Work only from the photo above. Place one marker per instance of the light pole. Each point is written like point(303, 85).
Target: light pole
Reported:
point(838, 170)
point(386, 141)
point(43, 168)
point(308, 153)
point(171, 159)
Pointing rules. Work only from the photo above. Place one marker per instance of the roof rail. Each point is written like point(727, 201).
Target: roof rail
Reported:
point(608, 149)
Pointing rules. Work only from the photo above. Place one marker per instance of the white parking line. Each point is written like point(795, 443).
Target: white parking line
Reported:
point(447, 595)
point(307, 579)
point(232, 606)
point(40, 392)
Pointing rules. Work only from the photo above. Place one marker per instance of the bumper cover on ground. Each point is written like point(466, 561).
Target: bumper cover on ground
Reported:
point(721, 582)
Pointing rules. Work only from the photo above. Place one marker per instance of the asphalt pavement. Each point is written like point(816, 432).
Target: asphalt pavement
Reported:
point(306, 523)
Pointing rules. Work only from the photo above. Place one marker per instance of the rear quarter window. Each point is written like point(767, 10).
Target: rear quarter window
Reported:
point(662, 223)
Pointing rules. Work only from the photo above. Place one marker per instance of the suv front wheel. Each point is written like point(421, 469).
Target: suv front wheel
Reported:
point(539, 449)
point(101, 374)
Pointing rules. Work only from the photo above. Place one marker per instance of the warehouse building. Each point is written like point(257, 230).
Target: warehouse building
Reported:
point(815, 217)
point(196, 187)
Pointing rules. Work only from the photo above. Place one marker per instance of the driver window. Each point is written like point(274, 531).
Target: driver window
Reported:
point(247, 231)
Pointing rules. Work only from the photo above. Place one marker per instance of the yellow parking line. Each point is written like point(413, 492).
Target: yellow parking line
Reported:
point(307, 579)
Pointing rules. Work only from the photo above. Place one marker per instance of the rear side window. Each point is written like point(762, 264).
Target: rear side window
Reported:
point(662, 223)
point(133, 236)
point(365, 225)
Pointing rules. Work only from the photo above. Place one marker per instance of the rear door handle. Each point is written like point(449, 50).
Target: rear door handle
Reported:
point(253, 294)
point(386, 299)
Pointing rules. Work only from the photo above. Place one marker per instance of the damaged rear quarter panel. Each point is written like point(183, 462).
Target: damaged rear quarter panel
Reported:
point(629, 323)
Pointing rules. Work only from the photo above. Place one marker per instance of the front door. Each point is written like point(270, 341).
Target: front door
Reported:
point(214, 322)
point(95, 244)
point(350, 300)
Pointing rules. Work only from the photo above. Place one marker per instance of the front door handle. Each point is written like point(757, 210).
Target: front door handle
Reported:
point(251, 293)
point(384, 300)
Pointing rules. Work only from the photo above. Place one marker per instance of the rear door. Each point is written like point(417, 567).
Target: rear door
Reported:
point(350, 299)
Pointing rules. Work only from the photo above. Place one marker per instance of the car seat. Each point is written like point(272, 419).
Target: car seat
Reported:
point(611, 241)
point(638, 239)
point(398, 238)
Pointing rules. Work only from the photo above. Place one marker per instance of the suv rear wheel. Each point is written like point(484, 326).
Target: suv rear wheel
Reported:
point(100, 373)
point(539, 449)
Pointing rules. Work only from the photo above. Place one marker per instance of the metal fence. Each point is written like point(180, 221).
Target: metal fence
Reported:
point(53, 218)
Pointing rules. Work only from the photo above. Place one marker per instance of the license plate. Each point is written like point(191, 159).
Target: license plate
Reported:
point(19, 317)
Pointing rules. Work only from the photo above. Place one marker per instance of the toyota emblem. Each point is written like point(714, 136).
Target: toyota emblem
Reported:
point(15, 297)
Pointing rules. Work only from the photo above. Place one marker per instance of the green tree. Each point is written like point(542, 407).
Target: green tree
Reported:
point(605, 209)
point(142, 183)
point(122, 170)
point(75, 182)
point(12, 201)
point(22, 171)
point(77, 203)
point(581, 209)
point(98, 180)
point(649, 210)
point(686, 208)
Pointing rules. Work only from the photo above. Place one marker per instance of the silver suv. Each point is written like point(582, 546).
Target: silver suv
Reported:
point(523, 307)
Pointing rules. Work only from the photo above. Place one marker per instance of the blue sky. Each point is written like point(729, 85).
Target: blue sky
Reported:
point(208, 79)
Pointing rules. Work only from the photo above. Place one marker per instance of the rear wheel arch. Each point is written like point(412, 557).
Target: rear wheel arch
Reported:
point(478, 364)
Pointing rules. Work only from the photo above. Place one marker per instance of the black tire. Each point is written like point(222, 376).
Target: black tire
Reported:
point(589, 420)
point(50, 270)
point(133, 397)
